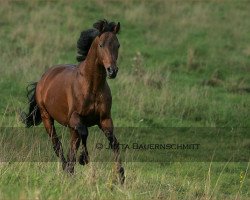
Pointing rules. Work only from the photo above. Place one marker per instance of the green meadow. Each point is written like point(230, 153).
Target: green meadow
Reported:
point(182, 64)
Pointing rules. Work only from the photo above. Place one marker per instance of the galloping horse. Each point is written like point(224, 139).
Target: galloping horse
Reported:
point(78, 96)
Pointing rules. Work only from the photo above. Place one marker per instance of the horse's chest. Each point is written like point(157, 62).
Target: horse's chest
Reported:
point(90, 109)
point(91, 119)
point(89, 106)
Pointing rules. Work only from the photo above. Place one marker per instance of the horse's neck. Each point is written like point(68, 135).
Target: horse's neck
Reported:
point(94, 74)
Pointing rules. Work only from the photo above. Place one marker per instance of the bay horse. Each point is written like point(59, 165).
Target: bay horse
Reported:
point(78, 96)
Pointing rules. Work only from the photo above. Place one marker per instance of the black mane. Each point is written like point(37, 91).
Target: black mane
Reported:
point(84, 43)
point(88, 36)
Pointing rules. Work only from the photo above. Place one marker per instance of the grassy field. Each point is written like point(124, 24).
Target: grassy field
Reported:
point(182, 64)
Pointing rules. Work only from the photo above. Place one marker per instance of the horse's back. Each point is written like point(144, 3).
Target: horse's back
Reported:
point(57, 69)
point(58, 75)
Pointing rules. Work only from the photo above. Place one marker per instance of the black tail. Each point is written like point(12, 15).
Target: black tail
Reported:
point(33, 117)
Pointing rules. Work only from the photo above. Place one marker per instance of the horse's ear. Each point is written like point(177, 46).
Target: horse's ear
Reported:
point(100, 25)
point(117, 28)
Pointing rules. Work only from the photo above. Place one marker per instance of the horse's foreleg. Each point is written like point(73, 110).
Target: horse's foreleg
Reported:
point(49, 126)
point(74, 145)
point(107, 127)
point(84, 157)
point(76, 124)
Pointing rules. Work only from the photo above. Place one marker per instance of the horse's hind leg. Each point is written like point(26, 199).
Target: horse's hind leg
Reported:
point(74, 145)
point(50, 128)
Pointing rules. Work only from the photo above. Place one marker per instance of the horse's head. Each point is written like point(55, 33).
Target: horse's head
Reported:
point(108, 46)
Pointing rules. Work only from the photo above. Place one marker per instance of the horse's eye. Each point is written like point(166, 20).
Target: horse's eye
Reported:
point(118, 46)
point(100, 45)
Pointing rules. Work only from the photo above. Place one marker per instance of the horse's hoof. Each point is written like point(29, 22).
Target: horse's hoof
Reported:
point(83, 159)
point(122, 175)
point(64, 165)
point(69, 169)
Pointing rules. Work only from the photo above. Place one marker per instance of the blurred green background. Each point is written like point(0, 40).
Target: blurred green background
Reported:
point(181, 63)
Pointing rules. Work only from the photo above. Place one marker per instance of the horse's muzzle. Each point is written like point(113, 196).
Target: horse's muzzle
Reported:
point(112, 72)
